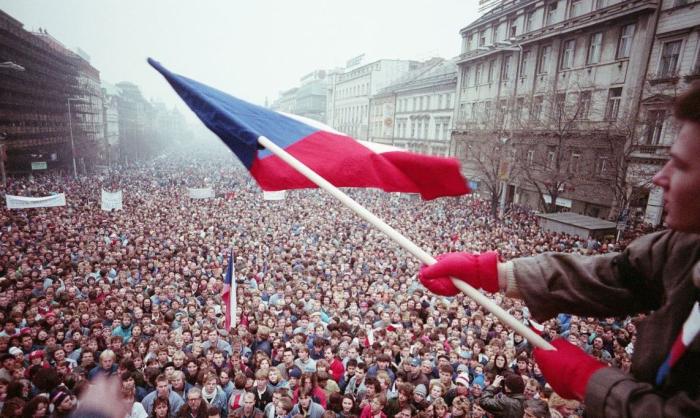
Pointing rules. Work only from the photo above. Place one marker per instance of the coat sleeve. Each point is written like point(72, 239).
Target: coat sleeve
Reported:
point(490, 402)
point(612, 393)
point(605, 285)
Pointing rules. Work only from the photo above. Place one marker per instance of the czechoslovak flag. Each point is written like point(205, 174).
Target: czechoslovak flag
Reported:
point(340, 159)
point(228, 294)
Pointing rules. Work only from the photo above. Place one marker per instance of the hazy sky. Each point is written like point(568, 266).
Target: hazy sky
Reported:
point(252, 49)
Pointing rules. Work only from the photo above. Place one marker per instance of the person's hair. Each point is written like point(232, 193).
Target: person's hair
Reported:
point(286, 403)
point(161, 378)
point(31, 407)
point(213, 411)
point(514, 383)
point(538, 408)
point(156, 403)
point(107, 354)
point(687, 106)
point(381, 398)
point(462, 403)
point(239, 381)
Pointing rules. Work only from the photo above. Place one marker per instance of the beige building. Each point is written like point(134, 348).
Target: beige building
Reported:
point(416, 112)
point(350, 91)
point(547, 99)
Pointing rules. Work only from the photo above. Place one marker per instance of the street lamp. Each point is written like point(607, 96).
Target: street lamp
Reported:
point(70, 127)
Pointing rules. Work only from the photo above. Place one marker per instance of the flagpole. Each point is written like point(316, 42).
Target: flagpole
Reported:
point(405, 243)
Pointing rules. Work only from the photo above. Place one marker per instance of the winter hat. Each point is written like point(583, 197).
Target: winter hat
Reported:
point(58, 396)
point(295, 372)
point(421, 390)
point(15, 351)
point(462, 379)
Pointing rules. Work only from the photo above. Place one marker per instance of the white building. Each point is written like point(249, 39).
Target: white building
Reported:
point(351, 89)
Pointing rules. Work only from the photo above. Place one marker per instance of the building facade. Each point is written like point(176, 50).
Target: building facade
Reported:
point(673, 65)
point(352, 88)
point(416, 112)
point(36, 81)
point(549, 92)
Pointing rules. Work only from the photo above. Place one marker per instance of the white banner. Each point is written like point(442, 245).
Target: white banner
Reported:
point(23, 202)
point(111, 200)
point(278, 195)
point(205, 193)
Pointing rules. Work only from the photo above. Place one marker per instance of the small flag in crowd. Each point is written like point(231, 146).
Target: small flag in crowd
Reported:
point(691, 328)
point(537, 327)
point(340, 159)
point(228, 294)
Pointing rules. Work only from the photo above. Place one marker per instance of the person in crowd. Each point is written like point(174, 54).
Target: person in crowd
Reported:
point(195, 407)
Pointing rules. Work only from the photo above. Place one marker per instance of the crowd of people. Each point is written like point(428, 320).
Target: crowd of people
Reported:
point(331, 320)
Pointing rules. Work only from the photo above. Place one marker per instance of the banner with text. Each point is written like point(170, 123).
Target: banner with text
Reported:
point(24, 202)
point(204, 193)
point(279, 195)
point(111, 200)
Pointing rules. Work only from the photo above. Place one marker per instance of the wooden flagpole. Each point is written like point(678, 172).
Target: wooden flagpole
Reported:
point(405, 243)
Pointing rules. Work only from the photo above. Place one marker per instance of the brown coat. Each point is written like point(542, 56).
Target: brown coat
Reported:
point(653, 274)
point(238, 413)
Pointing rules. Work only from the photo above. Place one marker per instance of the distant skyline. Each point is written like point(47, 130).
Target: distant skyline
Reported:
point(251, 49)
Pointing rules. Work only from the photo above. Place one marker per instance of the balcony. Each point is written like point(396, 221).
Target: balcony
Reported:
point(666, 77)
point(650, 152)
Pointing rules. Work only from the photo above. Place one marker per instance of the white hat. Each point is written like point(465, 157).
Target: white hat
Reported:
point(15, 351)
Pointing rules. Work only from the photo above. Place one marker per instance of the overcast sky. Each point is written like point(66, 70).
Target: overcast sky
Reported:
point(252, 49)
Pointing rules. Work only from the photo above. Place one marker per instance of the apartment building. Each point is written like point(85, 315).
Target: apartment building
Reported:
point(674, 64)
point(417, 111)
point(551, 90)
point(350, 91)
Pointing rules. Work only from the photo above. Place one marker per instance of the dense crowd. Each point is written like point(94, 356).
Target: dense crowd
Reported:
point(331, 321)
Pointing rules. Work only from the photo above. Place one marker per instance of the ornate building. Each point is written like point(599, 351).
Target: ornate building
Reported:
point(548, 98)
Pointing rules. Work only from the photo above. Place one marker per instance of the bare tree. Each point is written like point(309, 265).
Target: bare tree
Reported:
point(552, 144)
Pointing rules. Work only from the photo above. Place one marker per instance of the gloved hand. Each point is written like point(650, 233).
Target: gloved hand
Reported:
point(567, 369)
point(478, 270)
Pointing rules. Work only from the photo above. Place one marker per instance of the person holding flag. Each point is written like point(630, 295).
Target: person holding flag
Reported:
point(658, 274)
point(228, 294)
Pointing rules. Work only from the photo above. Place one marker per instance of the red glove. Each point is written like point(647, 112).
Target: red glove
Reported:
point(478, 270)
point(567, 369)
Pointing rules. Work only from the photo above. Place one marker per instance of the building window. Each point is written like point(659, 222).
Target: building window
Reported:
point(425, 129)
point(599, 4)
point(584, 103)
point(482, 38)
point(519, 108)
point(530, 21)
point(551, 156)
point(601, 166)
point(477, 74)
point(613, 106)
point(551, 13)
point(530, 157)
point(513, 30)
point(438, 130)
point(567, 56)
point(492, 66)
point(595, 48)
point(448, 103)
point(576, 8)
point(624, 46)
point(415, 104)
point(670, 53)
point(536, 112)
point(506, 67)
point(575, 163)
point(543, 61)
point(655, 126)
point(525, 62)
